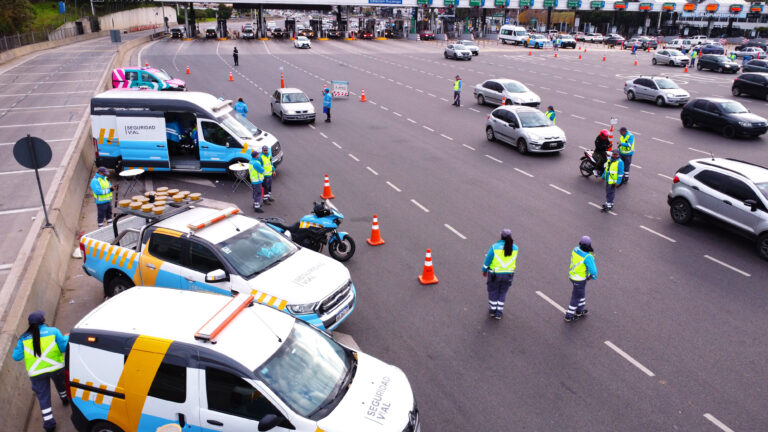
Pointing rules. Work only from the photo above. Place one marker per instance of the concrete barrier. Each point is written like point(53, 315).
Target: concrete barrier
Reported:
point(137, 17)
point(44, 257)
point(9, 55)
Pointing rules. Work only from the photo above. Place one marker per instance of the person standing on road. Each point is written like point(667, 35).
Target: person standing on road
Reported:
point(235, 56)
point(499, 269)
point(42, 349)
point(694, 55)
point(582, 269)
point(102, 194)
point(269, 169)
point(256, 174)
point(612, 174)
point(551, 113)
point(556, 45)
point(241, 107)
point(327, 102)
point(626, 150)
point(457, 91)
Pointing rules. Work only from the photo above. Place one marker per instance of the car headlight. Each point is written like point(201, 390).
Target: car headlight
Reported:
point(302, 308)
point(534, 138)
point(745, 124)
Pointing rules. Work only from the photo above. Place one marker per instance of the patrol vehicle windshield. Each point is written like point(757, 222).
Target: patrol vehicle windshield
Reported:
point(310, 372)
point(763, 187)
point(240, 125)
point(255, 250)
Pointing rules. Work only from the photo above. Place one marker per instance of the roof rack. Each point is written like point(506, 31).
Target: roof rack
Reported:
point(176, 208)
point(745, 162)
point(221, 319)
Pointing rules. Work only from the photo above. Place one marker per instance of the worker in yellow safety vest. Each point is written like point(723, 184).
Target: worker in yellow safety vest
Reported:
point(102, 194)
point(551, 113)
point(612, 174)
point(457, 91)
point(499, 269)
point(42, 349)
point(269, 170)
point(256, 174)
point(581, 270)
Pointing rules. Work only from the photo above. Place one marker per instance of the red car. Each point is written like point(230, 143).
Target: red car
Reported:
point(366, 35)
point(426, 35)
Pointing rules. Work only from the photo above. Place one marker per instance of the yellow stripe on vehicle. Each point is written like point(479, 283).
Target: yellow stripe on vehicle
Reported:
point(245, 148)
point(100, 396)
point(132, 260)
point(73, 390)
point(101, 137)
point(110, 251)
point(168, 232)
point(137, 376)
point(125, 255)
point(261, 298)
point(117, 254)
point(272, 301)
point(96, 248)
point(282, 304)
point(111, 135)
point(87, 393)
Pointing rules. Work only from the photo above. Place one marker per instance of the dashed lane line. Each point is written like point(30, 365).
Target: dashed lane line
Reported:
point(393, 186)
point(452, 229)
point(578, 96)
point(630, 359)
point(412, 120)
point(428, 128)
point(397, 113)
point(334, 143)
point(469, 147)
point(50, 141)
point(664, 176)
point(598, 206)
point(620, 106)
point(472, 109)
point(561, 92)
point(699, 151)
point(494, 159)
point(661, 140)
point(550, 301)
point(717, 422)
point(523, 172)
point(446, 137)
point(578, 117)
point(417, 204)
point(648, 112)
point(353, 157)
point(384, 108)
point(311, 126)
point(372, 102)
point(600, 123)
point(371, 170)
point(669, 239)
point(38, 124)
point(728, 266)
point(636, 166)
point(560, 189)
point(324, 135)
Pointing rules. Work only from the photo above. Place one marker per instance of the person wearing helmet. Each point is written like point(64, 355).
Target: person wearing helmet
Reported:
point(500, 262)
point(327, 100)
point(582, 269)
point(551, 113)
point(602, 145)
point(612, 174)
point(42, 348)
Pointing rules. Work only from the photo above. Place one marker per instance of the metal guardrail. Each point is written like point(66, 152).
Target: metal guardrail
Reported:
point(9, 42)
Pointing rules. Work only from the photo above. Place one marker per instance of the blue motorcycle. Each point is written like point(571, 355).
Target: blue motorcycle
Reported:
point(315, 230)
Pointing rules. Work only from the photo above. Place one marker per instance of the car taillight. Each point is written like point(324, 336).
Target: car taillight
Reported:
point(96, 147)
point(676, 179)
point(82, 250)
point(489, 117)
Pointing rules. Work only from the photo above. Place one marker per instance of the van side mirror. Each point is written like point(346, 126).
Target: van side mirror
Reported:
point(751, 203)
point(311, 99)
point(268, 422)
point(215, 276)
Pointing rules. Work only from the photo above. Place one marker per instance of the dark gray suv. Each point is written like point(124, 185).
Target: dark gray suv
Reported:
point(730, 191)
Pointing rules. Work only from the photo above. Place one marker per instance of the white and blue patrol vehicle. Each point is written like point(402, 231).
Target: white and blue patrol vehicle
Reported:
point(173, 131)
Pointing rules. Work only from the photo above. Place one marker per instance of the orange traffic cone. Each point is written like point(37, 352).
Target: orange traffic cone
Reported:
point(230, 76)
point(187, 69)
point(585, 50)
point(686, 69)
point(327, 194)
point(635, 62)
point(530, 53)
point(427, 276)
point(555, 55)
point(146, 64)
point(362, 96)
point(579, 56)
point(603, 58)
point(282, 80)
point(375, 239)
point(503, 100)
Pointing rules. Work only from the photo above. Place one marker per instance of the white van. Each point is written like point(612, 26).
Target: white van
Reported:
point(151, 357)
point(683, 45)
point(514, 35)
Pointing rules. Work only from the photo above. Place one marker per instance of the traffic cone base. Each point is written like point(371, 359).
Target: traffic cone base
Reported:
point(555, 55)
point(362, 96)
point(603, 58)
point(327, 194)
point(686, 69)
point(230, 77)
point(530, 53)
point(375, 239)
point(579, 56)
point(427, 276)
point(635, 62)
point(187, 70)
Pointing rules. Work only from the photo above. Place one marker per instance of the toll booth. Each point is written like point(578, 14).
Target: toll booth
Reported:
point(422, 26)
point(369, 25)
point(317, 27)
point(398, 29)
point(221, 28)
point(290, 28)
point(341, 25)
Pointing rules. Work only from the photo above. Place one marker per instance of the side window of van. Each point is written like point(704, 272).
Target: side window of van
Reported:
point(170, 383)
point(213, 133)
point(166, 248)
point(232, 395)
point(146, 77)
point(131, 76)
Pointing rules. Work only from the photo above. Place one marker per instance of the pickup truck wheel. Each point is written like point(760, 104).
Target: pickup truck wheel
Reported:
point(105, 427)
point(117, 284)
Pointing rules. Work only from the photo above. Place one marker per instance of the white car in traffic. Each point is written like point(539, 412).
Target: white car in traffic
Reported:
point(302, 42)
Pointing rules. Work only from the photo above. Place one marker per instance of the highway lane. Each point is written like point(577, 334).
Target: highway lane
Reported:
point(409, 227)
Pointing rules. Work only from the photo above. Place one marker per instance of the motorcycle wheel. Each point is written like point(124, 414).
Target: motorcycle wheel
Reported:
point(586, 167)
point(342, 250)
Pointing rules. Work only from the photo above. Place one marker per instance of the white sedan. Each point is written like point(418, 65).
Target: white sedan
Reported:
point(302, 42)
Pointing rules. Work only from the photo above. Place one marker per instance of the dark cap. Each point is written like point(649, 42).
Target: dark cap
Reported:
point(615, 152)
point(255, 153)
point(623, 129)
point(264, 148)
point(36, 317)
point(102, 170)
point(506, 233)
point(585, 241)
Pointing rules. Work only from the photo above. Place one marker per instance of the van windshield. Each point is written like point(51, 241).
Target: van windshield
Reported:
point(255, 250)
point(163, 75)
point(310, 372)
point(239, 125)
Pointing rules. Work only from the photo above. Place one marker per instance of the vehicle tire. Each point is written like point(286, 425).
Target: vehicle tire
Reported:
point(586, 167)
point(480, 100)
point(117, 284)
point(455, 56)
point(103, 426)
point(671, 63)
point(762, 245)
point(719, 69)
point(342, 250)
point(282, 119)
point(660, 101)
point(522, 146)
point(445, 54)
point(489, 135)
point(630, 95)
point(735, 91)
point(681, 211)
point(653, 61)
point(687, 122)
point(503, 42)
point(729, 131)
point(698, 66)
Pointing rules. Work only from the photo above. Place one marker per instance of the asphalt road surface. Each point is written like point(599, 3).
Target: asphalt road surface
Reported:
point(675, 335)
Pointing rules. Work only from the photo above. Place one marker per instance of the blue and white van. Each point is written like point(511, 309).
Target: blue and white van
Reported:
point(173, 131)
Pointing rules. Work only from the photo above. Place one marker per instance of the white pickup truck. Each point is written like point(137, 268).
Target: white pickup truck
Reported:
point(700, 40)
point(204, 249)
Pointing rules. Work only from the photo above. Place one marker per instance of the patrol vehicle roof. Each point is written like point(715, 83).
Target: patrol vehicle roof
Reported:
point(177, 315)
point(198, 102)
point(213, 233)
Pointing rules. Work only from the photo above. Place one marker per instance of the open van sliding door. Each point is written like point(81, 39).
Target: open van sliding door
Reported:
point(143, 142)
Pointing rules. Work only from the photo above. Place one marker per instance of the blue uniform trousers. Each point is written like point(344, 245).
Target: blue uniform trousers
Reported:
point(104, 213)
point(610, 194)
point(256, 195)
point(498, 285)
point(627, 159)
point(41, 385)
point(457, 98)
point(267, 187)
point(578, 298)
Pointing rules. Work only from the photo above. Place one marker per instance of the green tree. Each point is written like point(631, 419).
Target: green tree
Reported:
point(225, 12)
point(16, 16)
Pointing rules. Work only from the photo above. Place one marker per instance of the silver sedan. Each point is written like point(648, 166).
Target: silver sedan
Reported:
point(511, 92)
point(457, 51)
point(526, 128)
point(670, 57)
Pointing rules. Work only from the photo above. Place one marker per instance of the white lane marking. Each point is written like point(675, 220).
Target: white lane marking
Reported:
point(728, 266)
point(620, 106)
point(5, 267)
point(699, 151)
point(671, 118)
point(472, 109)
point(636, 166)
point(393, 186)
point(561, 92)
point(45, 94)
point(372, 102)
point(420, 90)
point(583, 148)
point(670, 239)
point(384, 108)
point(407, 86)
point(648, 112)
point(50, 141)
point(353, 157)
point(601, 123)
point(493, 159)
point(426, 210)
point(664, 176)
point(334, 143)
point(446, 137)
point(598, 206)
point(523, 172)
point(560, 189)
point(412, 120)
point(544, 88)
point(323, 135)
point(550, 301)
point(428, 128)
point(629, 358)
point(21, 210)
point(717, 422)
point(578, 117)
point(42, 107)
point(578, 96)
point(469, 147)
point(397, 113)
point(461, 236)
point(39, 124)
point(661, 140)
point(372, 170)
point(27, 171)
point(430, 94)
point(444, 99)
point(311, 126)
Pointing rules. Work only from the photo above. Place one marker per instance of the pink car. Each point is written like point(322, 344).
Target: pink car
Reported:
point(147, 78)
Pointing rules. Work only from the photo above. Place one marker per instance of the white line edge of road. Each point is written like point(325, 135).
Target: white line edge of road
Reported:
point(494, 159)
point(728, 266)
point(452, 229)
point(630, 359)
point(417, 204)
point(152, 43)
point(670, 239)
point(560, 189)
point(353, 157)
point(523, 172)
point(393, 186)
point(717, 422)
point(550, 301)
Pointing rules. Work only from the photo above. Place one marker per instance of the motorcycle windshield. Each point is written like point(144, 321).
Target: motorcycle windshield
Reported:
point(255, 250)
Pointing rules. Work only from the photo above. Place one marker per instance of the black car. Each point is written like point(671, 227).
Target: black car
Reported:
point(177, 33)
point(717, 63)
point(752, 84)
point(755, 66)
point(613, 40)
point(724, 115)
point(334, 34)
point(277, 33)
point(210, 34)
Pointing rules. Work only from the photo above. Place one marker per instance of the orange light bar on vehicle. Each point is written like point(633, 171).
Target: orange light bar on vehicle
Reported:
point(223, 317)
point(216, 217)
